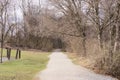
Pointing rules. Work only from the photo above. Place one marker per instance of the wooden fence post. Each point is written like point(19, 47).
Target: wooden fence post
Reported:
point(18, 54)
point(9, 50)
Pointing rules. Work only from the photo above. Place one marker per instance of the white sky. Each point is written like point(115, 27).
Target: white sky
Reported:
point(18, 10)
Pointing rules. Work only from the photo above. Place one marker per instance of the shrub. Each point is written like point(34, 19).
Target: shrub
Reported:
point(114, 68)
point(110, 67)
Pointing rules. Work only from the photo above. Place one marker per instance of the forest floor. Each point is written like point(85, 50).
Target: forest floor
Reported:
point(60, 67)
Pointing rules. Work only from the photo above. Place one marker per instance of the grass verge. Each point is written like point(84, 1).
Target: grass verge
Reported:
point(25, 68)
point(85, 62)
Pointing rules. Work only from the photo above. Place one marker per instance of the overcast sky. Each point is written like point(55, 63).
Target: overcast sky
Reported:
point(18, 10)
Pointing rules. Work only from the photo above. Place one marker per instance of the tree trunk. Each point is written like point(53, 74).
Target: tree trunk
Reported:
point(2, 42)
point(1, 51)
point(100, 40)
point(84, 46)
point(116, 44)
point(111, 44)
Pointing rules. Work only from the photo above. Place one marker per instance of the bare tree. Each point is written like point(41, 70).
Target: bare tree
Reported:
point(99, 13)
point(4, 22)
point(117, 34)
point(72, 10)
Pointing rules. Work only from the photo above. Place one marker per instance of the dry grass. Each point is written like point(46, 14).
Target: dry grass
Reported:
point(97, 59)
point(80, 60)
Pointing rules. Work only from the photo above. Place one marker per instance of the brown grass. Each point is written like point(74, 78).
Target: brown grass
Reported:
point(97, 59)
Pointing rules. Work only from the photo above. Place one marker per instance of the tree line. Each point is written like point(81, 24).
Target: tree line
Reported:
point(86, 27)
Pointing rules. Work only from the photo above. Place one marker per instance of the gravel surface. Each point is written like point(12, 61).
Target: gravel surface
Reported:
point(60, 67)
point(4, 59)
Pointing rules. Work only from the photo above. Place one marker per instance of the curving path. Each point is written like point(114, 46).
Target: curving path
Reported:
point(60, 67)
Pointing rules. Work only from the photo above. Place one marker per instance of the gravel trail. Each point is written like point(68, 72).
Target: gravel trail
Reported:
point(60, 67)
